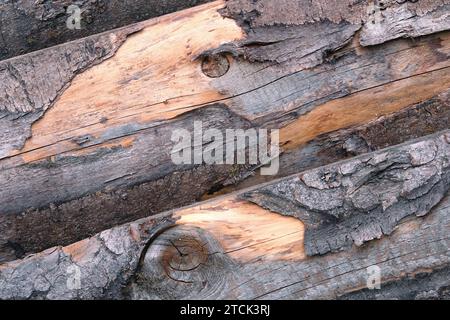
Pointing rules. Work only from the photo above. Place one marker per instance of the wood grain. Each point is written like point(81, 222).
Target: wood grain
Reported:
point(228, 248)
point(94, 150)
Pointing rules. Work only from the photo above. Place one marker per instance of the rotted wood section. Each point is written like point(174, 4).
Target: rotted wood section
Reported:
point(233, 248)
point(85, 140)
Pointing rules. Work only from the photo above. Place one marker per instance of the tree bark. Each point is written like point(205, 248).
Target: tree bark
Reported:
point(85, 142)
point(232, 248)
point(27, 26)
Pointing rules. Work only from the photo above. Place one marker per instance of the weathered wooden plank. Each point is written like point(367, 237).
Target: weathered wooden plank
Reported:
point(397, 21)
point(163, 185)
point(27, 26)
point(380, 21)
point(95, 150)
point(410, 123)
point(231, 248)
point(357, 202)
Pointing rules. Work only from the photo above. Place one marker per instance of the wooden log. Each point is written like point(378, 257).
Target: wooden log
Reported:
point(85, 143)
point(27, 26)
point(231, 248)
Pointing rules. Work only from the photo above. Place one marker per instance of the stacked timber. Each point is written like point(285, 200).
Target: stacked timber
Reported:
point(93, 205)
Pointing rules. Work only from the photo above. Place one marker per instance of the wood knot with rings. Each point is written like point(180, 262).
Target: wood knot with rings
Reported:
point(182, 263)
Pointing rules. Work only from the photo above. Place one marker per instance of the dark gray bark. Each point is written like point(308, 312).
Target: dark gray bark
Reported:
point(274, 81)
point(30, 84)
point(27, 26)
point(154, 258)
point(364, 199)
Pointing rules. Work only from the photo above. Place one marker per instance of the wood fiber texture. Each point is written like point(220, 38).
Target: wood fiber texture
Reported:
point(85, 140)
point(229, 248)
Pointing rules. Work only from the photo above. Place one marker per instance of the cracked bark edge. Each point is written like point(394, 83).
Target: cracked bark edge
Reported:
point(95, 268)
point(27, 97)
point(308, 45)
point(362, 199)
point(252, 14)
point(402, 21)
point(109, 261)
point(281, 31)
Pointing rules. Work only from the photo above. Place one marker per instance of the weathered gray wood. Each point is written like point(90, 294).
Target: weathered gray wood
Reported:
point(403, 21)
point(185, 254)
point(30, 84)
point(424, 285)
point(380, 20)
point(27, 26)
point(106, 162)
point(356, 202)
point(410, 123)
point(417, 249)
point(161, 185)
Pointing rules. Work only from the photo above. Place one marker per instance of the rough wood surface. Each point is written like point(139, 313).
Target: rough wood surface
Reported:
point(95, 150)
point(380, 20)
point(404, 21)
point(230, 248)
point(27, 26)
point(362, 200)
point(30, 85)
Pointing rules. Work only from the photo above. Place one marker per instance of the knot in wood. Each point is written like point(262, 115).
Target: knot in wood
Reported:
point(185, 253)
point(182, 263)
point(215, 65)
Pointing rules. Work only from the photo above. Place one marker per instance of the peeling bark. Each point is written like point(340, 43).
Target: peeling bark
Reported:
point(307, 46)
point(186, 253)
point(364, 199)
point(253, 14)
point(404, 21)
point(96, 268)
point(30, 84)
point(99, 150)
point(281, 30)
